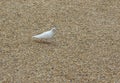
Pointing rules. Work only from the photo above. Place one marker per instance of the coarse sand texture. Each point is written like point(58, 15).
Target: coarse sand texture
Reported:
point(84, 49)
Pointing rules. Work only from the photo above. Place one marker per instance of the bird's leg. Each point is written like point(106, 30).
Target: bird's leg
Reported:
point(44, 40)
point(49, 40)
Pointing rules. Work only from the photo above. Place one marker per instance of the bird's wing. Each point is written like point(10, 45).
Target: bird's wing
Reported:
point(46, 34)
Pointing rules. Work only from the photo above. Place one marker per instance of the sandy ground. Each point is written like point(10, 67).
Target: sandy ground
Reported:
point(86, 48)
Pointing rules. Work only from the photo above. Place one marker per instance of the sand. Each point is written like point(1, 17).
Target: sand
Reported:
point(85, 49)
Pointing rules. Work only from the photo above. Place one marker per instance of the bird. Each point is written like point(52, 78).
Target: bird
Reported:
point(46, 35)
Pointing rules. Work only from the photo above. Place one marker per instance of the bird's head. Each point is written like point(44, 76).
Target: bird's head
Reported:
point(53, 29)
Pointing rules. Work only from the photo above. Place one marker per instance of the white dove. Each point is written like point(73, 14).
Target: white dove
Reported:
point(46, 35)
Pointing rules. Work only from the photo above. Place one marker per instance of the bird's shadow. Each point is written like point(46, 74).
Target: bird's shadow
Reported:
point(45, 42)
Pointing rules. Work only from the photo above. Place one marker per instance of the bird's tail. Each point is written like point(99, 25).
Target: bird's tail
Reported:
point(33, 36)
